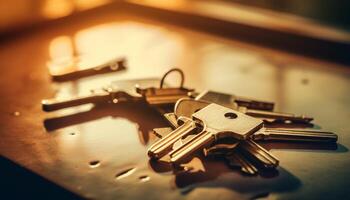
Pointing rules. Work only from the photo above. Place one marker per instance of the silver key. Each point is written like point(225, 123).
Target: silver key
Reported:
point(269, 116)
point(216, 122)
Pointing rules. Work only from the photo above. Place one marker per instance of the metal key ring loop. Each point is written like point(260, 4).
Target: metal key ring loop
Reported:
point(173, 70)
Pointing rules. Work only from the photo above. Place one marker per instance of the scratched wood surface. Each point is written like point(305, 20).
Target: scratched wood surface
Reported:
point(100, 152)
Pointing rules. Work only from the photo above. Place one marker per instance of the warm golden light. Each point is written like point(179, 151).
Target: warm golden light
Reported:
point(53, 9)
point(62, 55)
point(87, 4)
point(61, 47)
point(57, 8)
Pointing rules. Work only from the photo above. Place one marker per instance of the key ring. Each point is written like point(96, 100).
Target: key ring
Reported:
point(173, 70)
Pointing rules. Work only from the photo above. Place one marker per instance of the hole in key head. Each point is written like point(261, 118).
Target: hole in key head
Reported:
point(94, 163)
point(230, 115)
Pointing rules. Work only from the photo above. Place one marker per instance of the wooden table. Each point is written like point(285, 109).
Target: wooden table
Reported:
point(84, 149)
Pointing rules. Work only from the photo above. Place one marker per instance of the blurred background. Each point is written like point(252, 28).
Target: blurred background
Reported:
point(18, 14)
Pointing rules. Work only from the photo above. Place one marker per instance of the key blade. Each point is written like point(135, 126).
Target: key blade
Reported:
point(123, 90)
point(63, 71)
point(300, 135)
point(49, 105)
point(229, 100)
point(259, 154)
point(200, 141)
point(277, 116)
point(245, 165)
point(160, 148)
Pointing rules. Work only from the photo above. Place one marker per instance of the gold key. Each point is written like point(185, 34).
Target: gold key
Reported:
point(117, 91)
point(165, 95)
point(126, 90)
point(300, 135)
point(216, 122)
point(227, 148)
point(162, 146)
point(228, 99)
point(236, 158)
point(267, 115)
point(258, 153)
point(66, 69)
point(185, 107)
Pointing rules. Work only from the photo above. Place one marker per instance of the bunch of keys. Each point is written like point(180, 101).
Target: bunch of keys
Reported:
point(153, 91)
point(227, 133)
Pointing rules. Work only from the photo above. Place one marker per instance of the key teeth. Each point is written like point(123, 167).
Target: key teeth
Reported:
point(200, 141)
point(152, 155)
point(161, 147)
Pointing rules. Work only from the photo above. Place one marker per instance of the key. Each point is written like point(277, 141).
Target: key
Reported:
point(249, 149)
point(185, 107)
point(301, 135)
point(118, 91)
point(217, 122)
point(65, 70)
point(127, 90)
point(162, 132)
point(160, 148)
point(223, 147)
point(228, 99)
point(165, 95)
point(258, 153)
point(267, 116)
point(172, 119)
point(236, 158)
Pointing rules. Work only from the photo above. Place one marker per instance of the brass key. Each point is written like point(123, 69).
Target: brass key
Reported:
point(258, 153)
point(301, 135)
point(236, 158)
point(185, 107)
point(126, 90)
point(65, 70)
point(229, 99)
point(268, 116)
point(118, 91)
point(216, 122)
point(162, 146)
point(227, 147)
point(165, 95)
